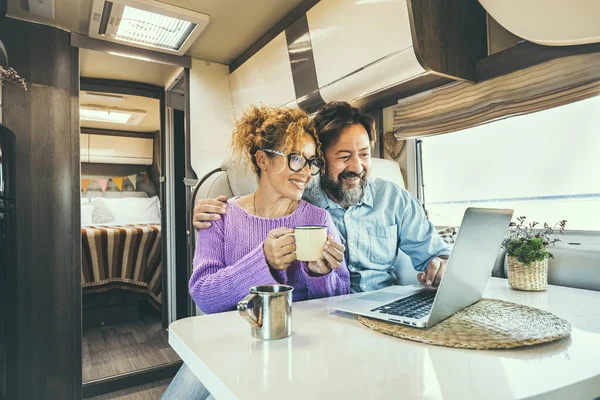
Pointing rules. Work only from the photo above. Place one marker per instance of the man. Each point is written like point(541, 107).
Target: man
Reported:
point(376, 218)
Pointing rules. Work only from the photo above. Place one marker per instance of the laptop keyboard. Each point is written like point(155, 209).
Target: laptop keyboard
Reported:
point(416, 306)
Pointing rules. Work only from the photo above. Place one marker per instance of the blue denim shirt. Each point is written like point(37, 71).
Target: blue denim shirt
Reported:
point(387, 220)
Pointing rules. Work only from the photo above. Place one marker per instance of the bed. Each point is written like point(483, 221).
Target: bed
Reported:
point(121, 245)
point(124, 257)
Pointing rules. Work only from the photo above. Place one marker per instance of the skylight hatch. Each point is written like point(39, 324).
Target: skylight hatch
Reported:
point(90, 112)
point(146, 24)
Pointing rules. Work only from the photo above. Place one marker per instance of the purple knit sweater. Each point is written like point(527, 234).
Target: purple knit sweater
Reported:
point(229, 260)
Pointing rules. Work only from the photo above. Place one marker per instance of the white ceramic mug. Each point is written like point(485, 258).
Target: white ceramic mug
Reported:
point(310, 240)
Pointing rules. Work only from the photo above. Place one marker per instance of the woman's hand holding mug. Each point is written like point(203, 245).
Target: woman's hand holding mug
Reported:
point(333, 255)
point(279, 248)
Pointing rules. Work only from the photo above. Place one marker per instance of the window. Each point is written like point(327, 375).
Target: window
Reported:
point(544, 165)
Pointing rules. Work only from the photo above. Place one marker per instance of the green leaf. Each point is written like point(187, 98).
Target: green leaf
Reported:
point(527, 243)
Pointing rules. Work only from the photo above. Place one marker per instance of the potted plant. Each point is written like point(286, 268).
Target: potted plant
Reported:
point(527, 254)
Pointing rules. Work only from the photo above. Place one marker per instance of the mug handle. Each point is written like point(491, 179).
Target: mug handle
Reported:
point(245, 311)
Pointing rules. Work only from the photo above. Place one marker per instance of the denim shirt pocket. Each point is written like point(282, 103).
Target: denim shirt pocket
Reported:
point(383, 244)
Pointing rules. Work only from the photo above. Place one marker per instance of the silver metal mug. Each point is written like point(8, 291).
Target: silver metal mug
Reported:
point(268, 309)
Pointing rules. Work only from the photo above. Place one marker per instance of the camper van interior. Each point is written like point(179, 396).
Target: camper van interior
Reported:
point(138, 140)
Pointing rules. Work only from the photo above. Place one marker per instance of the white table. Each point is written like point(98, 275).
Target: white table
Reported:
point(330, 355)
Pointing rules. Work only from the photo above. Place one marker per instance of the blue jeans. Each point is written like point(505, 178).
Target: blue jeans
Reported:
point(185, 385)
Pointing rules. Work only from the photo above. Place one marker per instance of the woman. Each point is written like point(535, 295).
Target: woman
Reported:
point(251, 245)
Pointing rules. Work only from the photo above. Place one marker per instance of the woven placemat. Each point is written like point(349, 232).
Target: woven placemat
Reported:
point(487, 324)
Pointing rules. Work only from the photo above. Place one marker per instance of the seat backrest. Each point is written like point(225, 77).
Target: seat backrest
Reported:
point(387, 170)
point(234, 179)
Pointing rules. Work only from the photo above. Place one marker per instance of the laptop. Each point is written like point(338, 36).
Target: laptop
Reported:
point(467, 273)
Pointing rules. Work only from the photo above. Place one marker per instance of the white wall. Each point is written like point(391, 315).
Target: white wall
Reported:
point(211, 115)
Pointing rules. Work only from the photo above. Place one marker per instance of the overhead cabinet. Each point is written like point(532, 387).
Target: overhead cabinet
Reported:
point(361, 47)
point(368, 52)
point(116, 150)
point(265, 78)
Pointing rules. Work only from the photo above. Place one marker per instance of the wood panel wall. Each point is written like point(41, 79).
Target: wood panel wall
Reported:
point(45, 120)
point(463, 105)
point(449, 36)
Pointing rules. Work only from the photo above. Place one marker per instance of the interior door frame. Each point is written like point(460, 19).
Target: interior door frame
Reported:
point(151, 374)
point(168, 210)
point(179, 299)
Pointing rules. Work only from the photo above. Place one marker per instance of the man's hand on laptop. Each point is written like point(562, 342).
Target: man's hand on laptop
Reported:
point(432, 276)
point(207, 210)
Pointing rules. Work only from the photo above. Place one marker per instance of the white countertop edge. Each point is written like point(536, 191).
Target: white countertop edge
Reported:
point(214, 385)
point(585, 389)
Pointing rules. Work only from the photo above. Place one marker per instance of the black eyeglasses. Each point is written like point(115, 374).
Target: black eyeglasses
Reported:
point(297, 162)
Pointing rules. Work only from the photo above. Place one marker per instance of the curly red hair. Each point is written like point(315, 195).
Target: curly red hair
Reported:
point(262, 127)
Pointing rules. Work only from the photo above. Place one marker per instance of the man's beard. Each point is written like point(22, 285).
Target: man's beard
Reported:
point(345, 197)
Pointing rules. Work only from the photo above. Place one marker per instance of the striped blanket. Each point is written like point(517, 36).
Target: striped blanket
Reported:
point(122, 257)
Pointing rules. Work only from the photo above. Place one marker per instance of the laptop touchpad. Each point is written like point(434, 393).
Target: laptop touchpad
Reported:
point(379, 296)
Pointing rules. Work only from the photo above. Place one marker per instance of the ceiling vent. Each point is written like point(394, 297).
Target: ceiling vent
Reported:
point(93, 96)
point(43, 8)
point(146, 24)
point(92, 112)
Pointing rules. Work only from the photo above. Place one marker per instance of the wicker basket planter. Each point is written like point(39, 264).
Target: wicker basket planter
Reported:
point(532, 277)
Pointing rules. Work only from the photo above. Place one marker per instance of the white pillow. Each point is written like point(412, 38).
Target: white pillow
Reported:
point(133, 210)
point(101, 214)
point(87, 210)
